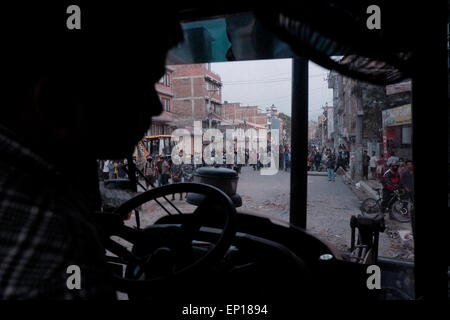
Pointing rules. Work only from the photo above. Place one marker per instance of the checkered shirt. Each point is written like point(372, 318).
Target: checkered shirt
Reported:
point(44, 229)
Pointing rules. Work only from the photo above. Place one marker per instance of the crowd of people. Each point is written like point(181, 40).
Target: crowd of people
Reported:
point(392, 174)
point(321, 160)
point(157, 171)
point(160, 170)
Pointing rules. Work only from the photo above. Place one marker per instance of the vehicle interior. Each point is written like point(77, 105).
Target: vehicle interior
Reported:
point(213, 251)
point(219, 253)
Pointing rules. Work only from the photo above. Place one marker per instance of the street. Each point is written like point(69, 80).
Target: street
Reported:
point(330, 206)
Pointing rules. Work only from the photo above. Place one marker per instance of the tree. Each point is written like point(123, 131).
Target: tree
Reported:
point(286, 122)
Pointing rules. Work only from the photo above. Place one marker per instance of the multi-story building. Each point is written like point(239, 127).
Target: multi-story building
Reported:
point(164, 123)
point(312, 129)
point(197, 95)
point(372, 103)
point(251, 116)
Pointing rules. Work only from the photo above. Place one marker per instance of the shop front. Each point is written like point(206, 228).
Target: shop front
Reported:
point(397, 132)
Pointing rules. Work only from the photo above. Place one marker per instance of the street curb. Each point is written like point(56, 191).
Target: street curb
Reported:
point(364, 186)
point(368, 189)
point(317, 173)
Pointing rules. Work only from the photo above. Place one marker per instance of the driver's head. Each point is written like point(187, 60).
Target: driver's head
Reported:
point(87, 92)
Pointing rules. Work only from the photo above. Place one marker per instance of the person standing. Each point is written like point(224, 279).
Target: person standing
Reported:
point(390, 182)
point(176, 174)
point(120, 170)
point(165, 167)
point(381, 168)
point(392, 159)
point(373, 165)
point(407, 178)
point(317, 160)
point(148, 172)
point(254, 157)
point(365, 165)
point(331, 164)
point(106, 169)
point(281, 160)
point(116, 171)
point(340, 163)
point(401, 166)
point(111, 169)
point(310, 160)
point(287, 160)
point(158, 169)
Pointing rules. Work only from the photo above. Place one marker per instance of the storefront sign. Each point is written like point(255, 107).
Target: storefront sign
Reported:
point(397, 116)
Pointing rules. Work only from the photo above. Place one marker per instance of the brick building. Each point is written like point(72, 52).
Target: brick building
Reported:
point(197, 95)
point(251, 115)
point(163, 123)
point(385, 115)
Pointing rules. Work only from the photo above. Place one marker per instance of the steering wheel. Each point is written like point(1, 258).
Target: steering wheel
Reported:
point(167, 244)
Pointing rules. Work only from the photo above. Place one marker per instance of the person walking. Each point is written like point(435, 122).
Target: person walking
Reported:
point(331, 164)
point(365, 165)
point(373, 165)
point(165, 167)
point(287, 160)
point(317, 160)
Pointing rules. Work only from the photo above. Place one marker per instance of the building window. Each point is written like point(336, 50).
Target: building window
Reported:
point(158, 129)
point(165, 80)
point(165, 104)
point(407, 135)
point(218, 109)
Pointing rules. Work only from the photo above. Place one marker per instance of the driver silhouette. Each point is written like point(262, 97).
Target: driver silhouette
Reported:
point(69, 97)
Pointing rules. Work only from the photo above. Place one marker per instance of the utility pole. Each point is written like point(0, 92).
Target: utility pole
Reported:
point(358, 141)
point(209, 111)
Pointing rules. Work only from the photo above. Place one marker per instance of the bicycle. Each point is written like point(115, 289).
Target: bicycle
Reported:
point(399, 206)
point(365, 249)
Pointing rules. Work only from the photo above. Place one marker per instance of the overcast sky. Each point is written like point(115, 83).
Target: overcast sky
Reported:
point(267, 82)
